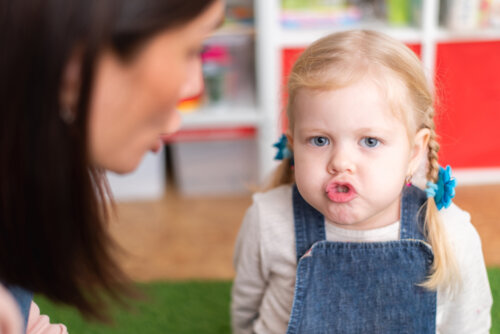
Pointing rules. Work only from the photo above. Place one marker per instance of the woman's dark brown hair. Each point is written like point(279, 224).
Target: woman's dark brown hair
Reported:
point(53, 235)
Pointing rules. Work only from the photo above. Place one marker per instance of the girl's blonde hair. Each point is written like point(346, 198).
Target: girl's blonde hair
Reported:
point(341, 59)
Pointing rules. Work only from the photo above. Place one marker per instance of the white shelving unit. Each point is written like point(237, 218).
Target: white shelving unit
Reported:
point(262, 115)
point(477, 35)
point(221, 117)
point(298, 38)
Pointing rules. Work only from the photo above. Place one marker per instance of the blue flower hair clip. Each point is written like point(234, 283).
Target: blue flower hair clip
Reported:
point(444, 190)
point(283, 150)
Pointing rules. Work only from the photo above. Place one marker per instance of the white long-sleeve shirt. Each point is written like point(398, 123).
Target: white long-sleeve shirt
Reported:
point(265, 263)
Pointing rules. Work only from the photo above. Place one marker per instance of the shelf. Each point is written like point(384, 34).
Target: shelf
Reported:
point(223, 116)
point(290, 38)
point(484, 34)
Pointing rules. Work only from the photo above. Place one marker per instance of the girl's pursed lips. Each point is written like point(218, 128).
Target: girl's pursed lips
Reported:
point(340, 192)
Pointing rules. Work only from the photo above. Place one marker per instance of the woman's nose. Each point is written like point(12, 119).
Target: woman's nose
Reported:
point(194, 81)
point(341, 160)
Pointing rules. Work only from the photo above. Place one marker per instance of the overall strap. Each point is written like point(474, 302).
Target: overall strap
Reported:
point(309, 224)
point(413, 207)
point(23, 298)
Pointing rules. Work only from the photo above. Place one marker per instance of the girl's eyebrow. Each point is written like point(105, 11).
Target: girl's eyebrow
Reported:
point(315, 130)
point(375, 129)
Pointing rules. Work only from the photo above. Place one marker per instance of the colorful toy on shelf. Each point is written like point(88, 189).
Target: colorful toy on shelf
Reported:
point(239, 11)
point(312, 4)
point(215, 59)
point(398, 12)
point(318, 13)
point(298, 14)
point(461, 15)
point(239, 14)
point(494, 16)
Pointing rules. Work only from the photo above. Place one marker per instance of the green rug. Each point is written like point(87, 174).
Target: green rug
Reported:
point(494, 277)
point(172, 307)
point(194, 307)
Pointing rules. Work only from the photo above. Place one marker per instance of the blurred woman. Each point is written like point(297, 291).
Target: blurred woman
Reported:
point(86, 86)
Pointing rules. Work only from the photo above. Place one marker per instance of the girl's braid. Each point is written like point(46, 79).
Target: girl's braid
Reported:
point(444, 268)
point(433, 146)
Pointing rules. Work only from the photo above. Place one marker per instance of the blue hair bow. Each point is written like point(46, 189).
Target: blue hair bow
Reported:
point(283, 150)
point(444, 189)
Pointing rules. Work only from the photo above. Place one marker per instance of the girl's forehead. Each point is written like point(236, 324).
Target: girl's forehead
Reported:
point(386, 92)
point(359, 107)
point(362, 92)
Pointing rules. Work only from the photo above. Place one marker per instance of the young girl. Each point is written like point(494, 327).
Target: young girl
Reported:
point(343, 243)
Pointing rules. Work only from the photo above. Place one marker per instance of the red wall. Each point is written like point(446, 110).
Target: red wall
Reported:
point(289, 56)
point(468, 85)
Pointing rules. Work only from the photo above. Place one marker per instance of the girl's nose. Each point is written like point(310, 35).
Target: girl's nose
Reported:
point(341, 161)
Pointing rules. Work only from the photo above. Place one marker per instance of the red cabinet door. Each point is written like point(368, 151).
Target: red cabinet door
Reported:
point(468, 87)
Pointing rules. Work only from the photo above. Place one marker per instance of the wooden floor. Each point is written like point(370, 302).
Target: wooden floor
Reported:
point(180, 238)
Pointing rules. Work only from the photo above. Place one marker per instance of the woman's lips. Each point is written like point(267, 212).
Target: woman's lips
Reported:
point(162, 140)
point(157, 146)
point(167, 137)
point(340, 192)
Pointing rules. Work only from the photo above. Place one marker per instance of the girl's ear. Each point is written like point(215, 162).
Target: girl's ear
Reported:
point(289, 137)
point(419, 149)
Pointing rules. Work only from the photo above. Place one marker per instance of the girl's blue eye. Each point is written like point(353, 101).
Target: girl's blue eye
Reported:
point(320, 141)
point(370, 142)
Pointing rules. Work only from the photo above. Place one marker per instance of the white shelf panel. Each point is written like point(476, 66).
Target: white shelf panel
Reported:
point(289, 38)
point(221, 117)
point(477, 176)
point(477, 35)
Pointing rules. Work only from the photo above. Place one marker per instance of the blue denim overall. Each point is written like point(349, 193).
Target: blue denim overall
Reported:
point(23, 298)
point(353, 287)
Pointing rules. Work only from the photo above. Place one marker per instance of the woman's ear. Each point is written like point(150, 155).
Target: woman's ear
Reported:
point(418, 150)
point(70, 81)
